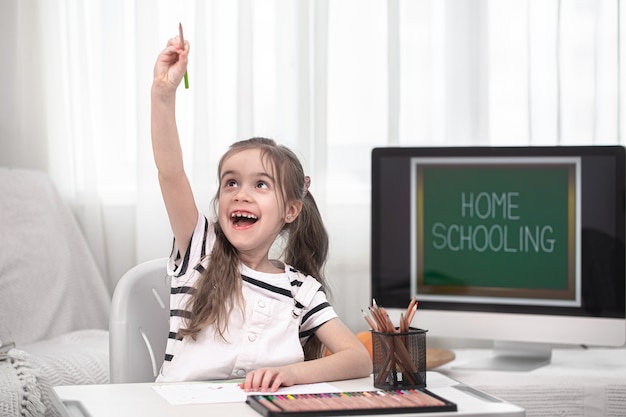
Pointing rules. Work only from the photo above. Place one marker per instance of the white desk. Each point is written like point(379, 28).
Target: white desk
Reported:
point(577, 383)
point(136, 400)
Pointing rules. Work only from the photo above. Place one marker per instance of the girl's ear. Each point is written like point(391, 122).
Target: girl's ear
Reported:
point(293, 211)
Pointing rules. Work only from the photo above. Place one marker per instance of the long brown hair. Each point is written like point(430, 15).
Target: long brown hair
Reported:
point(306, 246)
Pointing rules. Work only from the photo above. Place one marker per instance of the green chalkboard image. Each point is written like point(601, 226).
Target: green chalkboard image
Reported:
point(496, 229)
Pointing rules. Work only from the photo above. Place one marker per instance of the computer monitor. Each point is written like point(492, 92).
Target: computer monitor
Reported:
point(520, 245)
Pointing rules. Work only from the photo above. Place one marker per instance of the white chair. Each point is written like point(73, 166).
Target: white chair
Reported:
point(138, 323)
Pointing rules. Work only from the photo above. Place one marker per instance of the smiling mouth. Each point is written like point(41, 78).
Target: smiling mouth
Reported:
point(241, 219)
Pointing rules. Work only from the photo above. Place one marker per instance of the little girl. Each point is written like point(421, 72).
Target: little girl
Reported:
point(234, 312)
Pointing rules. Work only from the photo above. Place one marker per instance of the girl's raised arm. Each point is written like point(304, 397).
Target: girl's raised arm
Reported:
point(179, 201)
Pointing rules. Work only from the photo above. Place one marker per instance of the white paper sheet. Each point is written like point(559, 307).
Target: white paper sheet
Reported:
point(225, 392)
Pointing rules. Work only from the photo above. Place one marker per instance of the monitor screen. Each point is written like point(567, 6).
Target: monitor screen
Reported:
point(503, 243)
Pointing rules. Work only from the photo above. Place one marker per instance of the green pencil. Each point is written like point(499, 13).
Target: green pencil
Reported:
point(182, 43)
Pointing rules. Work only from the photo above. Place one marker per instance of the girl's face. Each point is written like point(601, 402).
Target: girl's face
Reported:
point(250, 210)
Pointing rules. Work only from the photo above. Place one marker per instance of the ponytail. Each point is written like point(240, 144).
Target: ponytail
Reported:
point(307, 242)
point(307, 249)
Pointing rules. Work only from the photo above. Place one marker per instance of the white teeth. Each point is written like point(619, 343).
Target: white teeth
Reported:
point(248, 215)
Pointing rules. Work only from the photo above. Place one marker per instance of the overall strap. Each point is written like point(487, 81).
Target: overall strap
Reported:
point(303, 296)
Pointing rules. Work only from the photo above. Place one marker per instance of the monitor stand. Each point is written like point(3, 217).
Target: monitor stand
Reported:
point(512, 356)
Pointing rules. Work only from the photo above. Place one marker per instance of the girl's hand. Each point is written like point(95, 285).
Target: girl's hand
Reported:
point(171, 65)
point(268, 379)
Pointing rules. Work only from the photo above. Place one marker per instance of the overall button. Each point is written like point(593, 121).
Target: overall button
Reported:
point(261, 303)
point(241, 373)
point(252, 337)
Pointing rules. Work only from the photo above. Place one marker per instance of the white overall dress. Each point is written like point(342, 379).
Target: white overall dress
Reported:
point(267, 337)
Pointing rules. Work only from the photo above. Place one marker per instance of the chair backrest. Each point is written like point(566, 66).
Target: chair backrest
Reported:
point(139, 323)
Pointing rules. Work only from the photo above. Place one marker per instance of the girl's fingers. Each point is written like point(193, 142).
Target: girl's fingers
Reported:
point(174, 42)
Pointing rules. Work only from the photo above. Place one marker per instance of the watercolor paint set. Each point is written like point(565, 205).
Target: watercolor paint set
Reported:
point(350, 403)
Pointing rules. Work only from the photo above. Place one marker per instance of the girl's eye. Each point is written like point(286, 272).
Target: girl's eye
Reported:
point(231, 183)
point(261, 184)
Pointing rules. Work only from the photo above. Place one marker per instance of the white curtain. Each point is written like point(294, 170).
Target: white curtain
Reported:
point(330, 78)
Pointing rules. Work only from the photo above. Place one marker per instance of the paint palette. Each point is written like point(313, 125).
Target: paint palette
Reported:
point(350, 403)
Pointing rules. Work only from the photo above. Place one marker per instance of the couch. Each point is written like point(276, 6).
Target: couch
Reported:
point(54, 302)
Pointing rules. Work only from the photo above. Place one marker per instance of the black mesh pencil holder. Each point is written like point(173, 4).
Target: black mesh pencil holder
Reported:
point(399, 359)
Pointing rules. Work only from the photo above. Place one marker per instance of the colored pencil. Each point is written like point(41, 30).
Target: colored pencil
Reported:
point(182, 44)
